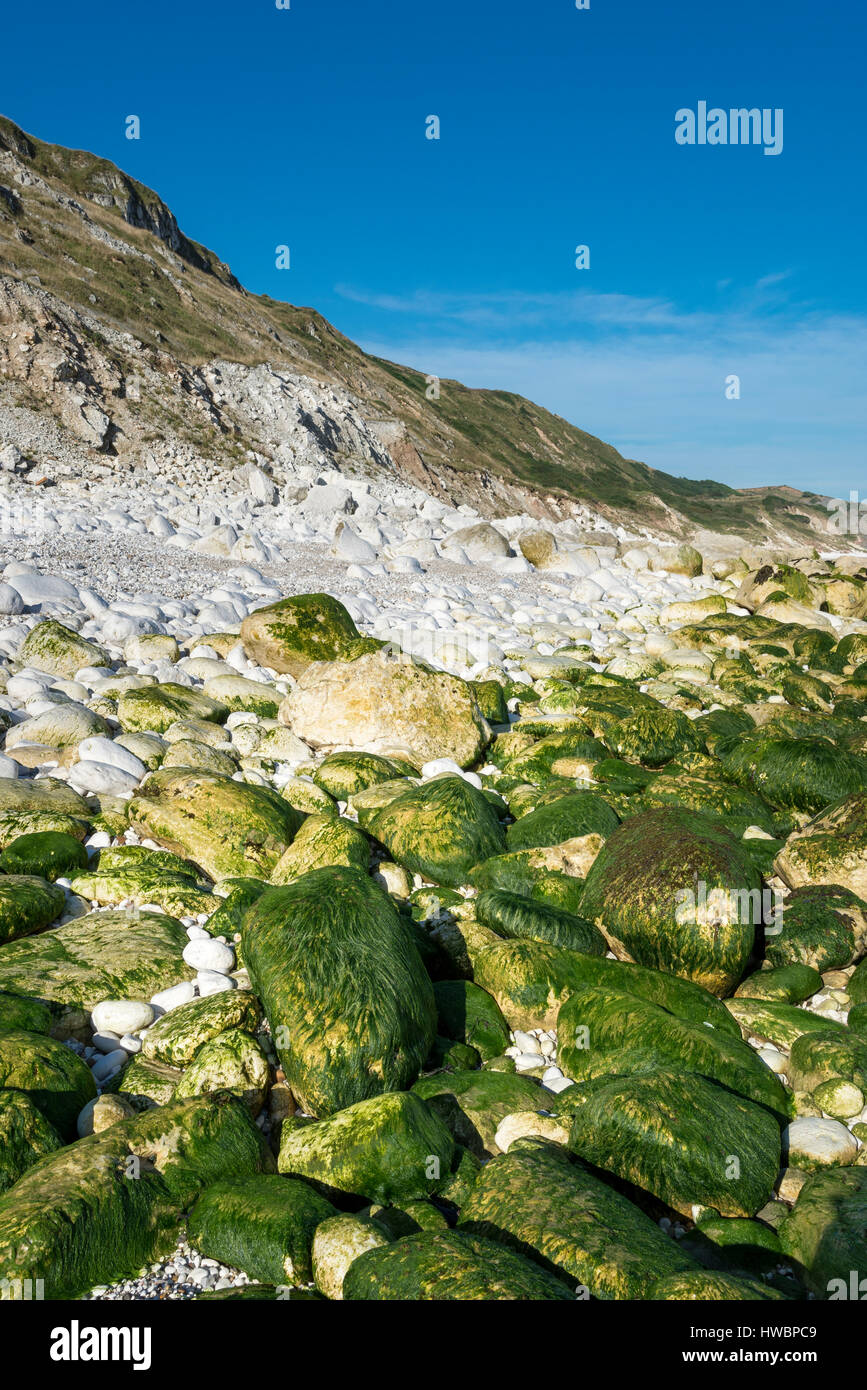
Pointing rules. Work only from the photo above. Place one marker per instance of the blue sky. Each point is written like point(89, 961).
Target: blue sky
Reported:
point(306, 127)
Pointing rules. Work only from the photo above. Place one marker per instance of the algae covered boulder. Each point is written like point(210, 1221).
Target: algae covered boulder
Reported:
point(105, 955)
point(675, 890)
point(25, 1136)
point(155, 708)
point(531, 979)
point(806, 774)
point(51, 647)
point(289, 635)
point(473, 1104)
point(177, 893)
point(350, 1006)
point(47, 854)
point(380, 701)
point(263, 1225)
point(512, 915)
point(444, 1265)
point(602, 1031)
point(712, 1286)
point(27, 904)
point(827, 1229)
point(542, 1201)
point(341, 774)
point(832, 849)
point(18, 1011)
point(470, 1015)
point(57, 1081)
point(682, 1138)
point(440, 830)
point(654, 737)
point(823, 926)
point(226, 827)
point(385, 1149)
point(322, 841)
point(233, 1062)
point(178, 1035)
point(583, 813)
point(98, 1210)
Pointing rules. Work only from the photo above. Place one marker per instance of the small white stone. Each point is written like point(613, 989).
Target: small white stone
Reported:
point(210, 955)
point(120, 1016)
point(109, 1064)
point(172, 998)
point(213, 982)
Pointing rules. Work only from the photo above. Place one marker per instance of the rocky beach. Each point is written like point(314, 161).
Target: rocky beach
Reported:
point(430, 869)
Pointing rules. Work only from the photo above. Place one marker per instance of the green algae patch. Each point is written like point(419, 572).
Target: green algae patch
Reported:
point(824, 1232)
point(25, 1136)
point(322, 841)
point(386, 1149)
point(45, 854)
point(57, 1081)
point(227, 828)
point(289, 635)
point(263, 1225)
point(511, 915)
point(674, 890)
point(804, 774)
point(105, 955)
point(824, 927)
point(177, 1036)
point(602, 1031)
point(100, 1209)
point(712, 1286)
point(682, 1138)
point(783, 984)
point(468, 1014)
point(18, 1011)
point(531, 980)
point(778, 1023)
point(27, 904)
point(440, 830)
point(176, 893)
point(234, 1062)
point(545, 1203)
point(582, 813)
point(444, 1265)
point(51, 647)
point(155, 708)
point(350, 1005)
point(341, 774)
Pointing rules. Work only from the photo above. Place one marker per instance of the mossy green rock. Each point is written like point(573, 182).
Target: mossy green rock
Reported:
point(491, 699)
point(470, 1015)
point(232, 1062)
point(528, 872)
point(674, 890)
point(46, 854)
point(98, 1210)
point(827, 1228)
point(146, 1083)
point(738, 807)
point(858, 984)
point(828, 1055)
point(176, 893)
point(440, 1266)
point(474, 1103)
point(27, 904)
point(350, 1006)
point(241, 693)
point(735, 1244)
point(780, 1024)
point(682, 1138)
point(784, 984)
point(806, 774)
point(106, 955)
point(654, 737)
point(177, 1036)
point(263, 1225)
point(227, 828)
point(17, 1011)
point(440, 829)
point(234, 905)
point(712, 1286)
point(583, 813)
point(831, 849)
point(51, 647)
point(543, 1202)
point(289, 635)
point(511, 915)
point(385, 1149)
point(602, 1031)
point(341, 774)
point(154, 708)
point(57, 1081)
point(530, 981)
point(322, 841)
point(823, 926)
point(25, 1136)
